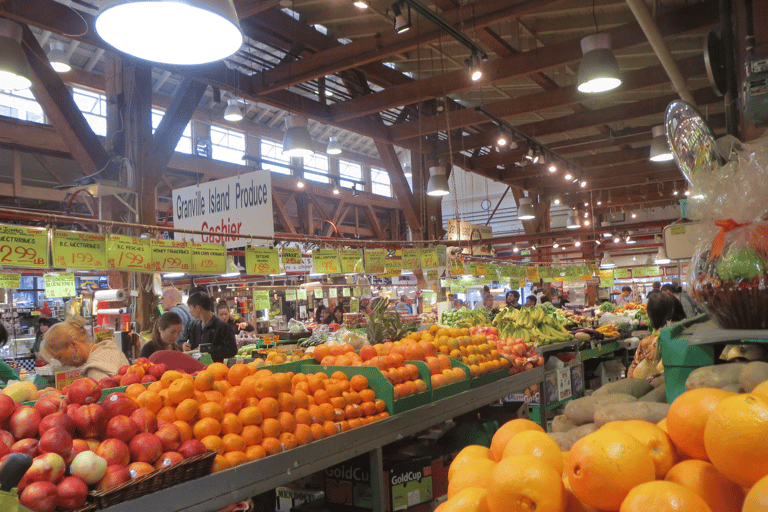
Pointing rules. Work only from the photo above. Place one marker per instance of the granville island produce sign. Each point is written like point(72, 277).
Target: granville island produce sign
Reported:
point(241, 204)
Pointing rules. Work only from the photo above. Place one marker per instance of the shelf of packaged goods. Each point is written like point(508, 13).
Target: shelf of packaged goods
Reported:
point(221, 489)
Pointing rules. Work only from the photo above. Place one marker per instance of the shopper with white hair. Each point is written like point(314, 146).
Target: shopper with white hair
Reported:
point(171, 301)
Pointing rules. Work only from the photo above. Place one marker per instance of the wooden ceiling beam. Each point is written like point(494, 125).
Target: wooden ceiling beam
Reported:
point(619, 179)
point(176, 117)
point(550, 98)
point(381, 46)
point(247, 8)
point(685, 19)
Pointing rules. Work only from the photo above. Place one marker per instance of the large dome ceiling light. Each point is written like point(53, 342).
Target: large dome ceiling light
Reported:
point(599, 69)
point(660, 151)
point(233, 112)
point(15, 73)
point(572, 219)
point(661, 257)
point(184, 32)
point(438, 182)
point(607, 262)
point(297, 142)
point(525, 209)
point(57, 56)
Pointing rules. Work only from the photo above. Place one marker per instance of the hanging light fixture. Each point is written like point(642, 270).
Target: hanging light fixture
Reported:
point(233, 112)
point(531, 156)
point(616, 239)
point(173, 275)
point(572, 219)
point(515, 248)
point(607, 262)
point(438, 182)
point(502, 140)
point(660, 151)
point(407, 170)
point(630, 240)
point(57, 56)
point(577, 243)
point(586, 222)
point(583, 184)
point(300, 184)
point(599, 70)
point(525, 209)
point(296, 141)
point(15, 73)
point(557, 200)
point(231, 269)
point(552, 167)
point(170, 31)
point(402, 23)
point(633, 215)
point(568, 176)
point(334, 148)
point(473, 64)
point(360, 4)
point(605, 224)
point(649, 260)
point(661, 257)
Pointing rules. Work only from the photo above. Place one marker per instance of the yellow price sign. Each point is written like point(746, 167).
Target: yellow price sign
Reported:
point(261, 299)
point(23, 247)
point(429, 258)
point(375, 261)
point(319, 293)
point(261, 261)
point(208, 258)
point(326, 261)
point(290, 295)
point(457, 267)
point(72, 249)
point(532, 273)
point(170, 256)
point(393, 267)
point(411, 259)
point(10, 280)
point(59, 285)
point(291, 256)
point(128, 253)
point(351, 261)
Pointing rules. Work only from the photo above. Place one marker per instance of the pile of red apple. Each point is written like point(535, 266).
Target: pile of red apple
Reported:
point(140, 372)
point(521, 355)
point(77, 442)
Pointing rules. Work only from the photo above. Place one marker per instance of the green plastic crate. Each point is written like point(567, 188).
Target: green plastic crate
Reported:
point(456, 387)
point(379, 384)
point(680, 358)
point(488, 378)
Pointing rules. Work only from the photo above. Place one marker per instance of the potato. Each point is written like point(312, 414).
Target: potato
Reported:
point(658, 395)
point(634, 387)
point(582, 431)
point(714, 376)
point(658, 381)
point(561, 423)
point(753, 374)
point(582, 410)
point(563, 439)
point(646, 411)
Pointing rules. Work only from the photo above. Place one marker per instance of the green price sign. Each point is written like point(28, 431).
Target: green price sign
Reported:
point(393, 267)
point(23, 247)
point(411, 259)
point(301, 294)
point(72, 249)
point(351, 261)
point(333, 293)
point(291, 256)
point(429, 258)
point(290, 294)
point(208, 258)
point(357, 292)
point(354, 306)
point(606, 282)
point(622, 273)
point(319, 293)
point(170, 256)
point(261, 299)
point(59, 285)
point(375, 261)
point(261, 261)
point(326, 261)
point(128, 253)
point(10, 280)
point(346, 292)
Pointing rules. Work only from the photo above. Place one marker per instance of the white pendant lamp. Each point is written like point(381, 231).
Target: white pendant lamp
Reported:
point(661, 257)
point(572, 220)
point(184, 32)
point(525, 210)
point(599, 70)
point(233, 112)
point(231, 269)
point(660, 151)
point(407, 170)
point(15, 73)
point(438, 182)
point(334, 148)
point(57, 56)
point(607, 262)
point(297, 142)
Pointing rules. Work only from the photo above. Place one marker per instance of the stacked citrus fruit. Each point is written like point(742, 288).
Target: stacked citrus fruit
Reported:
point(246, 413)
point(475, 351)
point(710, 454)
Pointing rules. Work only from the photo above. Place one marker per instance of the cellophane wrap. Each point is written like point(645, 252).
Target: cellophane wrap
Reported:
point(729, 270)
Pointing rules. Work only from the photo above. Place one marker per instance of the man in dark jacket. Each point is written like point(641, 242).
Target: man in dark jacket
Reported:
point(211, 329)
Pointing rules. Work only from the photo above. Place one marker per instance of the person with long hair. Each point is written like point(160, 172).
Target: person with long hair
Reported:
point(69, 343)
point(222, 311)
point(337, 317)
point(166, 330)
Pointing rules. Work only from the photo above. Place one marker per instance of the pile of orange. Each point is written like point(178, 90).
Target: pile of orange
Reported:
point(475, 351)
point(708, 455)
point(246, 413)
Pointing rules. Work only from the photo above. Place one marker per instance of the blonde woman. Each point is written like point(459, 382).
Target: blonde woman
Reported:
point(69, 343)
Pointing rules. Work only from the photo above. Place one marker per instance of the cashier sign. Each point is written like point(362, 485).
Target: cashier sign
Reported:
point(241, 204)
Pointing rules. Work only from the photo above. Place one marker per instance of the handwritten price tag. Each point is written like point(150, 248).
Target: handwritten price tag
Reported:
point(532, 273)
point(429, 258)
point(290, 294)
point(354, 306)
point(72, 249)
point(59, 285)
point(261, 299)
point(261, 261)
point(10, 280)
point(457, 267)
point(23, 247)
point(319, 293)
point(351, 261)
point(301, 294)
point(375, 261)
point(333, 293)
point(326, 261)
point(208, 258)
point(170, 256)
point(346, 292)
point(393, 267)
point(128, 253)
point(291, 256)
point(622, 273)
point(411, 259)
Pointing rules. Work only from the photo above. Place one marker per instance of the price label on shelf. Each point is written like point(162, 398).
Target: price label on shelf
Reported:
point(128, 253)
point(208, 258)
point(291, 256)
point(10, 280)
point(351, 261)
point(72, 249)
point(170, 256)
point(326, 261)
point(261, 261)
point(23, 247)
point(429, 258)
point(261, 299)
point(411, 259)
point(375, 261)
point(59, 285)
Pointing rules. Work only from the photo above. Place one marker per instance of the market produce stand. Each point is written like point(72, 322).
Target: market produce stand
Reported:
point(221, 489)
